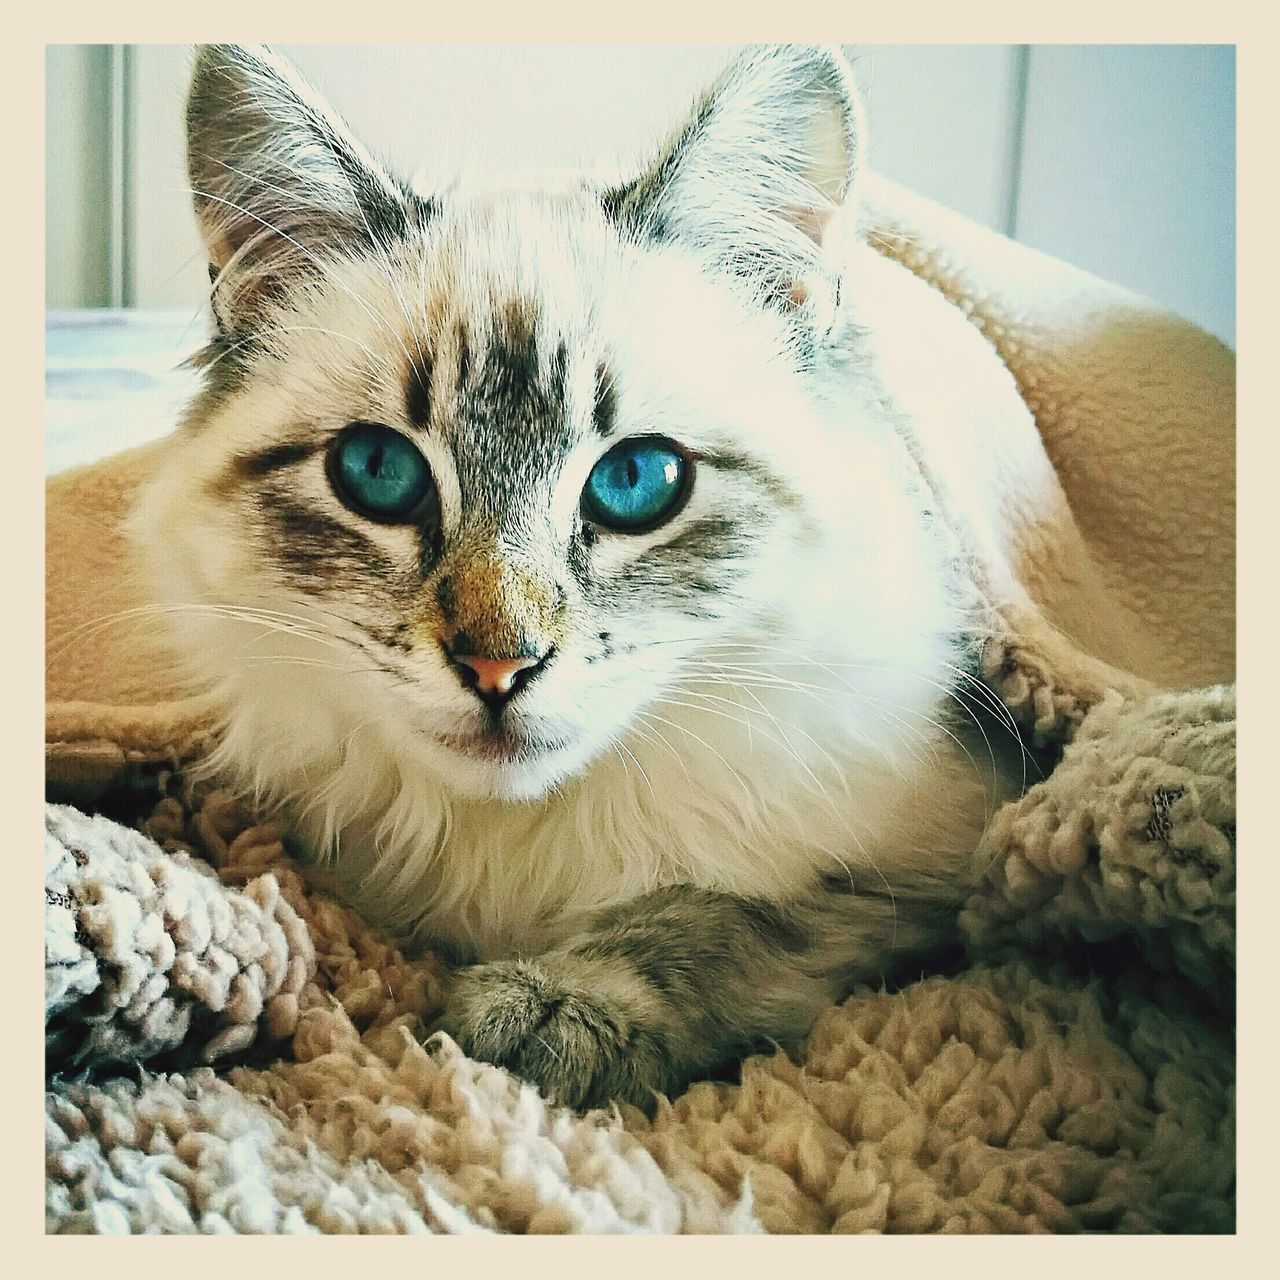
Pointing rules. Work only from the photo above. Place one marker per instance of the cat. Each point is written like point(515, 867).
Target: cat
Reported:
point(558, 564)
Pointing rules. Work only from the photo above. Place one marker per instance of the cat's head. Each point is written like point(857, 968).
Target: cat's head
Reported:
point(497, 471)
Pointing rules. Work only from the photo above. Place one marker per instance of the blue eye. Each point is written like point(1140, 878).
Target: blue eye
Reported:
point(377, 472)
point(636, 485)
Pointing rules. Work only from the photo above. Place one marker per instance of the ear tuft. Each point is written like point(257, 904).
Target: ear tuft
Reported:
point(278, 182)
point(760, 175)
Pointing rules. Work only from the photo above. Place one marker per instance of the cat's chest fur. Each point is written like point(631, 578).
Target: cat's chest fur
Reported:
point(773, 820)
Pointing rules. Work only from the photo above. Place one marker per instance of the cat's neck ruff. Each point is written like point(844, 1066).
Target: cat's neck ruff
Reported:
point(758, 786)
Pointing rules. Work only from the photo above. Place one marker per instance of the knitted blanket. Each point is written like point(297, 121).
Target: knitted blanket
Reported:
point(231, 1049)
point(1045, 1088)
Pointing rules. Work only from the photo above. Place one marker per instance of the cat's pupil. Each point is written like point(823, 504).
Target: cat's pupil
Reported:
point(633, 473)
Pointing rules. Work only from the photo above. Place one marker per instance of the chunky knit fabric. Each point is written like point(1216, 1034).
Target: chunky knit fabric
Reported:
point(1078, 1075)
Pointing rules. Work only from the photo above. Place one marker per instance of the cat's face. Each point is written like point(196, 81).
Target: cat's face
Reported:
point(501, 468)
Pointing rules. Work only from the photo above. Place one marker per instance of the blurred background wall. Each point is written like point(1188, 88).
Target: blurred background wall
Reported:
point(1118, 158)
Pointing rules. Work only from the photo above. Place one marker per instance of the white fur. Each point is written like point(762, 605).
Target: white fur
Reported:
point(849, 600)
point(790, 729)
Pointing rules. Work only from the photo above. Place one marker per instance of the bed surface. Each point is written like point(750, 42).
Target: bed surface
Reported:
point(114, 379)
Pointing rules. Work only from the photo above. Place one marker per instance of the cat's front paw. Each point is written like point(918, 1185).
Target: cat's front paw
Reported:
point(548, 1022)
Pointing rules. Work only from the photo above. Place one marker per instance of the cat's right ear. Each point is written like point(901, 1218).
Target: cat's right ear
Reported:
point(280, 185)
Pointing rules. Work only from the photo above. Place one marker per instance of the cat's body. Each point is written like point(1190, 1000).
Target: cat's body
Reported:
point(679, 780)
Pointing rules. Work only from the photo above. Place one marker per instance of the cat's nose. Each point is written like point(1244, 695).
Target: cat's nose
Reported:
point(494, 675)
point(495, 680)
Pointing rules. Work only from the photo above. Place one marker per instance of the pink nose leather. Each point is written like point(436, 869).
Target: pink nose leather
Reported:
point(495, 675)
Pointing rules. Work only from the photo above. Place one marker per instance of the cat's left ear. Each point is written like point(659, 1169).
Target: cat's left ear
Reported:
point(760, 181)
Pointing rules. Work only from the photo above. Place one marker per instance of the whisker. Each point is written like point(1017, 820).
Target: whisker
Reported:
point(94, 626)
point(620, 747)
point(689, 732)
point(662, 738)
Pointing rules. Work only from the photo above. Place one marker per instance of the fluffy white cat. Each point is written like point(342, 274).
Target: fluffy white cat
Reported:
point(558, 563)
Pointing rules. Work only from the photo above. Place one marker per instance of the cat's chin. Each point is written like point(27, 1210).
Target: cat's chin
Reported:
point(480, 769)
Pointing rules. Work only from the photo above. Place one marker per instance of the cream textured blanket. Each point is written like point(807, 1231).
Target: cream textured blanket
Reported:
point(1027, 1093)
point(1077, 1074)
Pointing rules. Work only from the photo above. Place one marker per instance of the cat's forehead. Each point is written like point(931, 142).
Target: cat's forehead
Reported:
point(485, 256)
point(506, 336)
point(510, 323)
point(484, 332)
